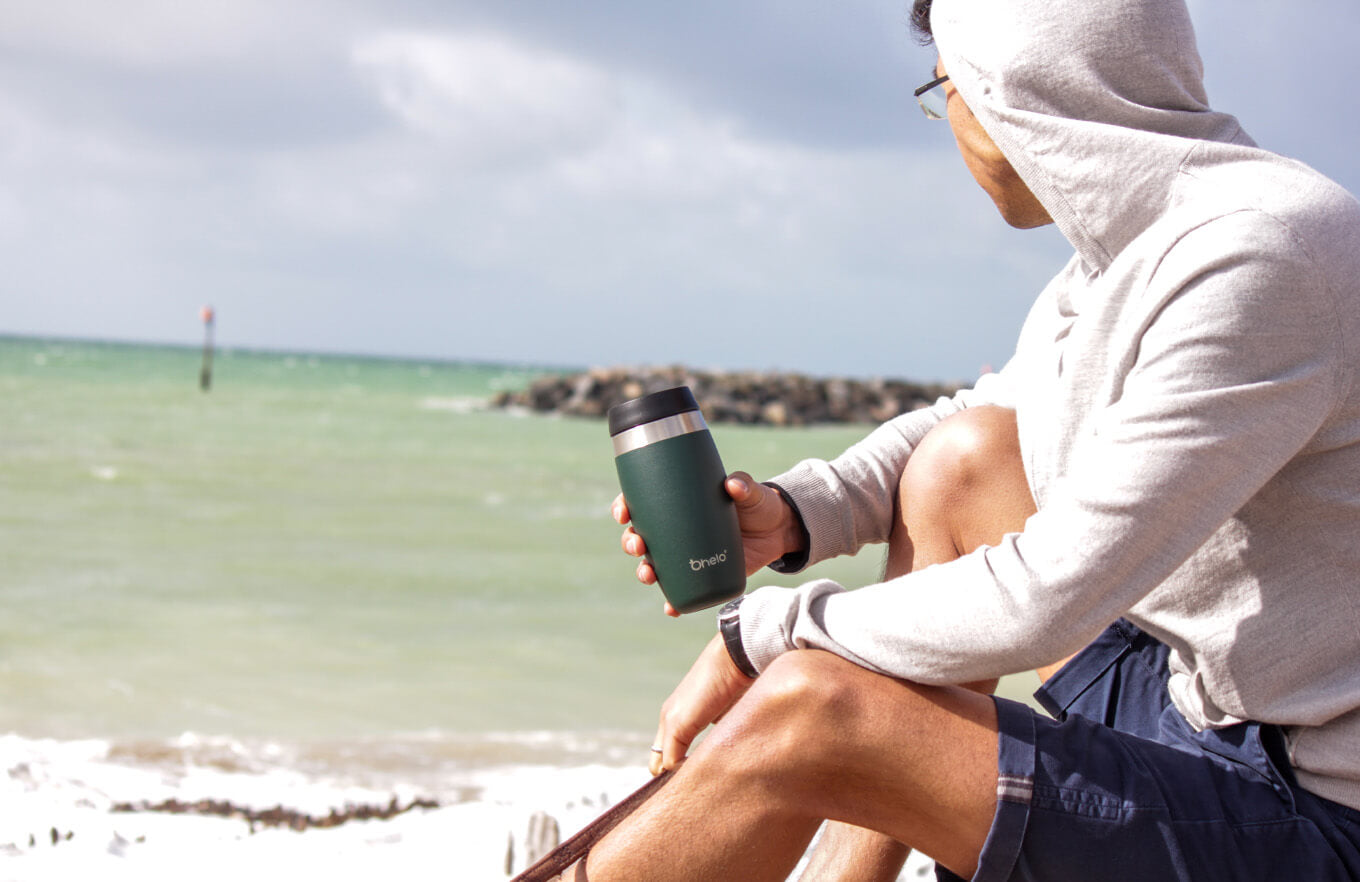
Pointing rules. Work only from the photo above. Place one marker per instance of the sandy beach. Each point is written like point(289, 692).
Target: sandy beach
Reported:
point(62, 818)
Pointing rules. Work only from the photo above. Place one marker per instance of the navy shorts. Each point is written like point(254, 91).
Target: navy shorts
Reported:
point(1119, 788)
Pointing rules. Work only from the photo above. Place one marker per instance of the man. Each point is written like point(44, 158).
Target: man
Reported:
point(1174, 449)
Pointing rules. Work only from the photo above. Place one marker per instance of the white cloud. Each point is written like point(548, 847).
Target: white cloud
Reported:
point(487, 97)
point(504, 151)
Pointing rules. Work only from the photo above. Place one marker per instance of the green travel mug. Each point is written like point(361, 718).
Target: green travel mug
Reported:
point(672, 480)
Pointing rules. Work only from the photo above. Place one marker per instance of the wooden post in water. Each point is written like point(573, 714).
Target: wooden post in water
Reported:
point(205, 373)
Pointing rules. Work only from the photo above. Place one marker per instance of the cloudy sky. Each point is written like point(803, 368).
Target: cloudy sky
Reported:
point(726, 183)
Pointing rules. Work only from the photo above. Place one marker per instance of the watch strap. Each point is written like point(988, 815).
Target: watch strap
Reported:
point(729, 625)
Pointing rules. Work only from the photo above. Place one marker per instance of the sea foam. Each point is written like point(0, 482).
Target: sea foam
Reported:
point(60, 817)
point(61, 813)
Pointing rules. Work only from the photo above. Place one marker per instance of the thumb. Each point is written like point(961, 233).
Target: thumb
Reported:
point(745, 492)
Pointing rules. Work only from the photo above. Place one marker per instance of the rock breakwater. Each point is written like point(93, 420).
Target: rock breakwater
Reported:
point(775, 399)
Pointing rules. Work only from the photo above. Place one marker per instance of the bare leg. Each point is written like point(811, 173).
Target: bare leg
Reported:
point(846, 853)
point(818, 737)
point(964, 487)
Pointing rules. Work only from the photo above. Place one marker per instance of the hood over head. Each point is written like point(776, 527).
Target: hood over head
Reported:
point(1095, 103)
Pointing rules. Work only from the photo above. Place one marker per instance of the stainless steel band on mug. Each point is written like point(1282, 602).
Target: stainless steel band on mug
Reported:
point(659, 430)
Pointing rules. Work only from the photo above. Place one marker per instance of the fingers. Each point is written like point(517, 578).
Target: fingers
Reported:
point(710, 688)
point(671, 754)
point(654, 764)
point(657, 757)
point(632, 543)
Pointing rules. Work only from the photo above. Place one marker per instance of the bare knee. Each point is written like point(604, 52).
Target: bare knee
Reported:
point(964, 486)
point(820, 737)
point(964, 450)
point(788, 719)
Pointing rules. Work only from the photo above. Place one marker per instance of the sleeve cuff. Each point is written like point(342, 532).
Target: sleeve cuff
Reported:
point(765, 615)
point(794, 561)
point(826, 522)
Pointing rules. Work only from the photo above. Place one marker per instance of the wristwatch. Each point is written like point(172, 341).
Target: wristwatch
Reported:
point(729, 624)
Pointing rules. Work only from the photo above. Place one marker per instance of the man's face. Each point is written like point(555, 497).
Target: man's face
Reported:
point(989, 167)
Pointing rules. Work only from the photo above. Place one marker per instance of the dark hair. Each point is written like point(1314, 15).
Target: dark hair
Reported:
point(920, 21)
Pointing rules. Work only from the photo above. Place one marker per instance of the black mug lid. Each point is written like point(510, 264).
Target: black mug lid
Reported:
point(648, 408)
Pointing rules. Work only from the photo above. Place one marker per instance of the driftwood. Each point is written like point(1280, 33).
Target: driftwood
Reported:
point(541, 838)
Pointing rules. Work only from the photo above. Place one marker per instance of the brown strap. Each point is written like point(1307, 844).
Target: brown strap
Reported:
point(575, 848)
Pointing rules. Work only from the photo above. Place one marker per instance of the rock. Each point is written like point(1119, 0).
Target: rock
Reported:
point(776, 413)
point(771, 399)
point(278, 816)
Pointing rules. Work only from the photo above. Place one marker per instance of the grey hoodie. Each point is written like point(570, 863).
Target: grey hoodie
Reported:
point(1186, 391)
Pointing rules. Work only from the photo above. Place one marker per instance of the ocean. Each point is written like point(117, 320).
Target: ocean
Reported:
point(328, 582)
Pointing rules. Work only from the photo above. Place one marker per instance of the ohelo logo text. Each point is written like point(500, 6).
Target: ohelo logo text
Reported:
point(700, 564)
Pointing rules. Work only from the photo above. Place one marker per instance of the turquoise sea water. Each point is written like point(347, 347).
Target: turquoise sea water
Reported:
point(322, 549)
point(328, 581)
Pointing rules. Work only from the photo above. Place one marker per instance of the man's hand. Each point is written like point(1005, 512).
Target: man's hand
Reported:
point(769, 529)
point(711, 687)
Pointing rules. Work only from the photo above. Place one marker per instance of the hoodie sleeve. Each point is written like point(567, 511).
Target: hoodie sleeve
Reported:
point(1236, 368)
